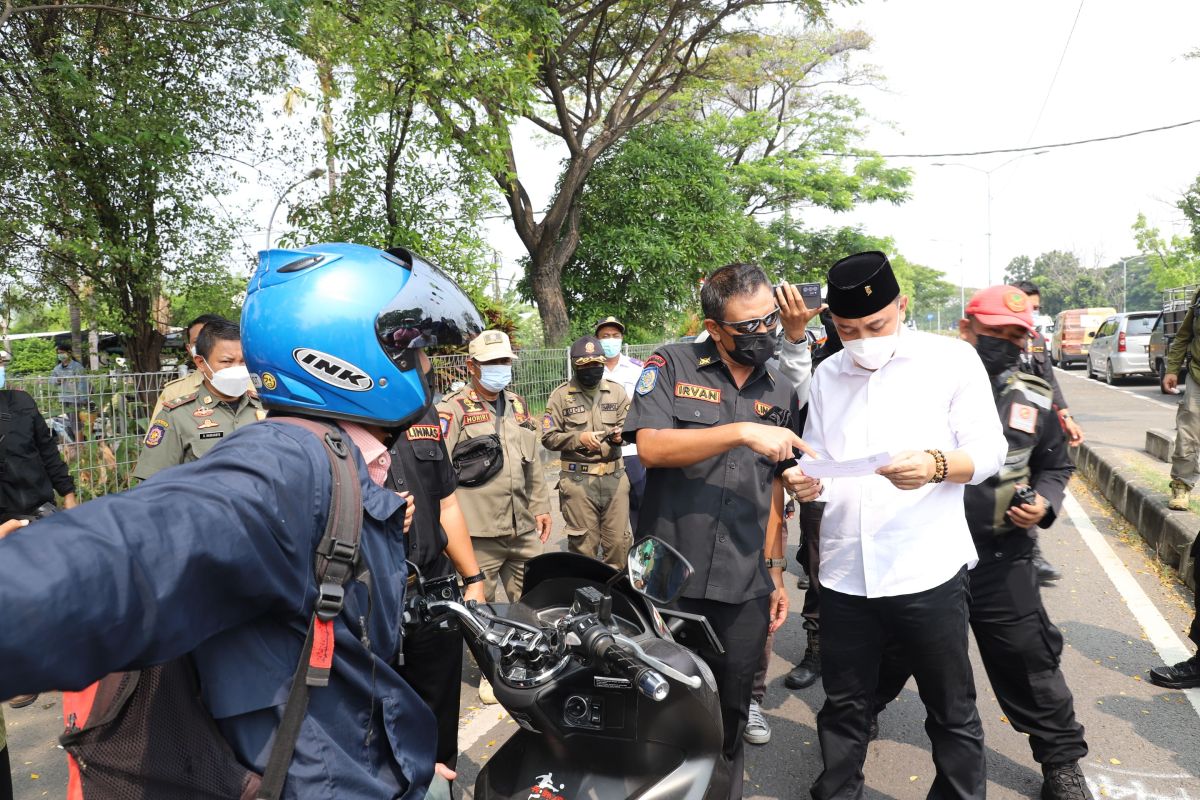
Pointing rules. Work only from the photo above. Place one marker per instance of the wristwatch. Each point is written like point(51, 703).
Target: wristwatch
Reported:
point(476, 578)
point(772, 563)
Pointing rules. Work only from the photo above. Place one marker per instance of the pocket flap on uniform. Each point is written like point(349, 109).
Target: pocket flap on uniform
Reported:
point(697, 413)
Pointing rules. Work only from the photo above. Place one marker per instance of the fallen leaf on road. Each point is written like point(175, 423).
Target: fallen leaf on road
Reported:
point(1114, 761)
point(912, 777)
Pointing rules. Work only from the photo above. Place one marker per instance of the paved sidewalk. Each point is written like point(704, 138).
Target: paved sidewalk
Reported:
point(1116, 420)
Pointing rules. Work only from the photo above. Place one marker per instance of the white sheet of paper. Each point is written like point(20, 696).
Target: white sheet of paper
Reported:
point(856, 467)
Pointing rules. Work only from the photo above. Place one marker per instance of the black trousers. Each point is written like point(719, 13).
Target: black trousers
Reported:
point(433, 657)
point(930, 628)
point(6, 790)
point(1021, 650)
point(636, 474)
point(742, 629)
point(809, 556)
point(1194, 632)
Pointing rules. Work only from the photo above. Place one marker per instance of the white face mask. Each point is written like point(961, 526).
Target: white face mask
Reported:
point(231, 381)
point(872, 353)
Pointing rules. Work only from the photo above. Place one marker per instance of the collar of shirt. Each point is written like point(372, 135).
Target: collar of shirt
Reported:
point(626, 372)
point(373, 452)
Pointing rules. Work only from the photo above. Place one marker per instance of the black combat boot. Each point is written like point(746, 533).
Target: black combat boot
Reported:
point(1064, 781)
point(1184, 675)
point(1046, 573)
point(805, 673)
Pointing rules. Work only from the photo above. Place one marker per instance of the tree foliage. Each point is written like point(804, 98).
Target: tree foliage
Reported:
point(1174, 262)
point(109, 123)
point(399, 181)
point(658, 213)
point(600, 70)
point(725, 175)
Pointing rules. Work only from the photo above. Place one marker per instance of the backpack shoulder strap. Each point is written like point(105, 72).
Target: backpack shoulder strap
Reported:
point(336, 560)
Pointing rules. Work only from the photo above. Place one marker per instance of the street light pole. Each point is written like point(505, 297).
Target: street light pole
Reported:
point(311, 176)
point(1125, 280)
point(987, 174)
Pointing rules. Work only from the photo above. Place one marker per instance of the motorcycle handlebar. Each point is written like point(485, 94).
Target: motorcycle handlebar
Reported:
point(645, 679)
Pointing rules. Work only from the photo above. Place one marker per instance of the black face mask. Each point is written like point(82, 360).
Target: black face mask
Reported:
point(998, 355)
point(753, 349)
point(589, 377)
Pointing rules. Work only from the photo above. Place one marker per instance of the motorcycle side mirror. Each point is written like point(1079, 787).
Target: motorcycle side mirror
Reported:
point(657, 570)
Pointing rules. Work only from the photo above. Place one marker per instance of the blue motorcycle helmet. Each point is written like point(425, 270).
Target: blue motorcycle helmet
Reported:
point(337, 330)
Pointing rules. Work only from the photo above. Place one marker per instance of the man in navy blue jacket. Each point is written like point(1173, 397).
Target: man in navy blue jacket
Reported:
point(215, 558)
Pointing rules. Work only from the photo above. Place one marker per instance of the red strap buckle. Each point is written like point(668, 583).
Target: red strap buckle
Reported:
point(320, 661)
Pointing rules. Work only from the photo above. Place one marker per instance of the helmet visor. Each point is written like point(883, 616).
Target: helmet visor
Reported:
point(429, 312)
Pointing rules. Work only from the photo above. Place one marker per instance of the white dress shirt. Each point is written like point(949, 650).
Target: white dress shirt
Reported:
point(626, 373)
point(877, 540)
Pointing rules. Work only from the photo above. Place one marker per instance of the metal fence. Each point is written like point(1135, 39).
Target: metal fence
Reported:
point(99, 420)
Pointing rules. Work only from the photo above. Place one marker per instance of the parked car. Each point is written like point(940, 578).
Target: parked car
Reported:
point(1119, 348)
point(1073, 333)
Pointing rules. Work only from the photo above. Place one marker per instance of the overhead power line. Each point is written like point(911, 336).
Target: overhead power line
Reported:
point(1018, 149)
point(1057, 69)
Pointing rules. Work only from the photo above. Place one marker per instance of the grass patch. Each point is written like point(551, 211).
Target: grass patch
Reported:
point(1159, 482)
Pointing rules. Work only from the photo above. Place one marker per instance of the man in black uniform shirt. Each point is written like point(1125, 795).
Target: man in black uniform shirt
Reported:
point(1019, 645)
point(439, 544)
point(1036, 361)
point(712, 422)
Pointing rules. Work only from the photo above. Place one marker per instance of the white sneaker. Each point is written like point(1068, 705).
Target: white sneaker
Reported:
point(486, 695)
point(757, 729)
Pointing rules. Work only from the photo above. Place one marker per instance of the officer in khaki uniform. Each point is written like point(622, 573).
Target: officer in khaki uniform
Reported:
point(508, 516)
point(188, 427)
point(194, 380)
point(583, 421)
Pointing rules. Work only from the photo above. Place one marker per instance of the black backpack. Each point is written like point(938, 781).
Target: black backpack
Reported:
point(148, 735)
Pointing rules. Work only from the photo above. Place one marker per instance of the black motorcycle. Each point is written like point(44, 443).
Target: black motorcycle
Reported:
point(609, 703)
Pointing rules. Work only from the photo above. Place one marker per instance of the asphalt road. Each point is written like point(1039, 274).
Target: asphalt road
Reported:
point(1119, 613)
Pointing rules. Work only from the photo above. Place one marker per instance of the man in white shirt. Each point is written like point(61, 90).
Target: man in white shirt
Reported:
point(622, 369)
point(895, 547)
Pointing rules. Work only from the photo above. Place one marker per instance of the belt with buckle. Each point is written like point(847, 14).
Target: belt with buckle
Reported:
point(603, 468)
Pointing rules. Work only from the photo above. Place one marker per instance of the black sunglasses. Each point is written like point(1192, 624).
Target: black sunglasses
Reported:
point(751, 325)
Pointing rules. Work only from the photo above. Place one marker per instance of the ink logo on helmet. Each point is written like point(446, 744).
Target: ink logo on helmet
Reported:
point(332, 370)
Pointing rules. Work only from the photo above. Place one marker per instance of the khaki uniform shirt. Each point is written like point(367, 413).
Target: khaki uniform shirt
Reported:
point(180, 387)
point(507, 504)
point(571, 411)
point(190, 426)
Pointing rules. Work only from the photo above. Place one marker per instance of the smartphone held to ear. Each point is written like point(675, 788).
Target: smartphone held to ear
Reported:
point(811, 293)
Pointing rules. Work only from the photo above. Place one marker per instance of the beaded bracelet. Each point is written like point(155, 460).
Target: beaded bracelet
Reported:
point(939, 466)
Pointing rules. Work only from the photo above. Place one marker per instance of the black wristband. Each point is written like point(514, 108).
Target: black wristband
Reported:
point(476, 578)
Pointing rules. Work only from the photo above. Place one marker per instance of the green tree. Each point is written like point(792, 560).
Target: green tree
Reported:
point(600, 70)
point(1172, 263)
point(773, 112)
point(1019, 269)
point(109, 126)
point(930, 294)
point(798, 255)
point(399, 182)
point(658, 213)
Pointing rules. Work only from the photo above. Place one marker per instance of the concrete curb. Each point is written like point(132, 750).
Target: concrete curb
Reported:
point(1169, 533)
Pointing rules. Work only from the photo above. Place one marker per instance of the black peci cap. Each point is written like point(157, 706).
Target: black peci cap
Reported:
point(861, 285)
point(586, 350)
